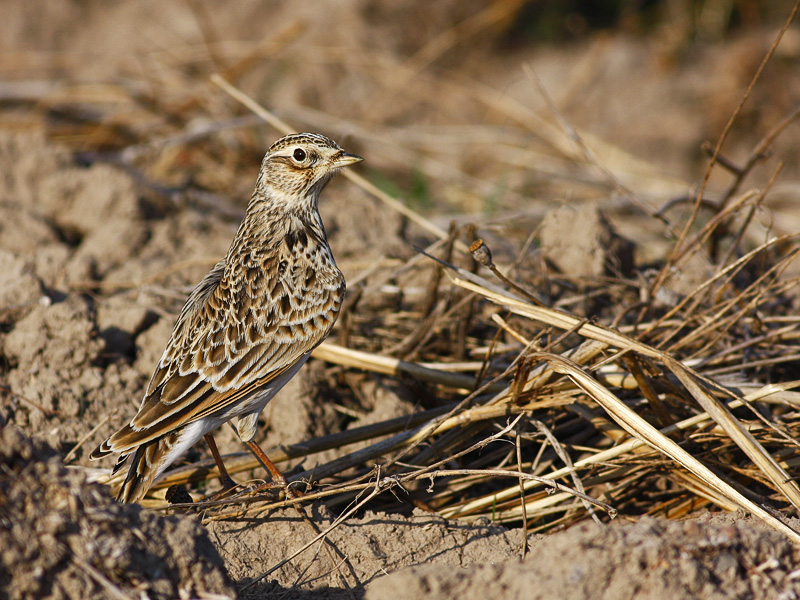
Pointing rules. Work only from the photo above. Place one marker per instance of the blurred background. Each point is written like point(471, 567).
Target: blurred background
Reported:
point(460, 106)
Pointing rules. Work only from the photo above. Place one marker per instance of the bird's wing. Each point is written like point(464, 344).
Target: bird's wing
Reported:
point(236, 333)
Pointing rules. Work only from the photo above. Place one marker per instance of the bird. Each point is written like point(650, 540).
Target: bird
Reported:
point(248, 326)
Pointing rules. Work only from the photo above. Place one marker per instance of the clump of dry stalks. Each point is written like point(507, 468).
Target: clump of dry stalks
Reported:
point(541, 417)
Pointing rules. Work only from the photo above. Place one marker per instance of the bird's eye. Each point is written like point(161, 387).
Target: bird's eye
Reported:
point(299, 154)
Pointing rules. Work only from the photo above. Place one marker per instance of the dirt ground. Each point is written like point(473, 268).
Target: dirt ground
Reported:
point(94, 266)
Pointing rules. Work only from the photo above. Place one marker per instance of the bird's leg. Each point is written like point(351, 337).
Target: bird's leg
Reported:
point(225, 479)
point(277, 476)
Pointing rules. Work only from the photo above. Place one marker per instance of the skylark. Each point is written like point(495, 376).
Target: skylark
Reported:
point(249, 325)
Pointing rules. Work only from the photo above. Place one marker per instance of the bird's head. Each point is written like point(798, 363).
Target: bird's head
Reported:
point(297, 167)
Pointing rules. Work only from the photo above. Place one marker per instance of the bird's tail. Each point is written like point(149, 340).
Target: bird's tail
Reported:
point(146, 462)
point(140, 474)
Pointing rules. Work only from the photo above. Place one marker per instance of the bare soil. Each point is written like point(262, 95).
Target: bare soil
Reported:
point(64, 538)
point(716, 557)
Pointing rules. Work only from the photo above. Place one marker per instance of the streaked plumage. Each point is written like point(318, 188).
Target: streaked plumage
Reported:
point(250, 324)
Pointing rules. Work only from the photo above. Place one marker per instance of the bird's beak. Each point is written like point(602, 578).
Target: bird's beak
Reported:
point(344, 159)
